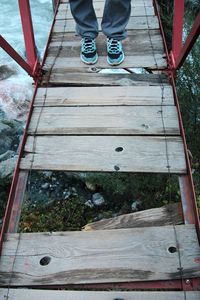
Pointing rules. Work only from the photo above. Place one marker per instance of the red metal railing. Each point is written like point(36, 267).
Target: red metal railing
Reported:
point(179, 52)
point(175, 60)
point(32, 65)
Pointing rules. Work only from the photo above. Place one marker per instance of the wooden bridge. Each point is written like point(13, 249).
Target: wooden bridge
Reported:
point(84, 119)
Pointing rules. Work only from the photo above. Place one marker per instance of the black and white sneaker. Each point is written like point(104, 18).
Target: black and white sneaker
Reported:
point(88, 51)
point(114, 51)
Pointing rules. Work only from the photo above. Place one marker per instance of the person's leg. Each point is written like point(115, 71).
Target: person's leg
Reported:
point(87, 27)
point(85, 18)
point(115, 18)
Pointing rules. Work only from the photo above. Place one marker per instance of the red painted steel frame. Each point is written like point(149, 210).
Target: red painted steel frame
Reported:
point(177, 27)
point(9, 49)
point(191, 39)
point(13, 190)
point(185, 284)
point(27, 26)
point(190, 208)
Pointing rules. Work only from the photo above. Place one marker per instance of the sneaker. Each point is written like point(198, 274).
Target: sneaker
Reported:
point(88, 51)
point(115, 52)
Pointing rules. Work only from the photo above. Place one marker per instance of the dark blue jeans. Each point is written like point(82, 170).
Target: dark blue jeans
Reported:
point(115, 18)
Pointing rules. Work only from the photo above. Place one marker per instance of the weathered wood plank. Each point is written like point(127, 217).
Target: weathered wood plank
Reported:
point(146, 22)
point(138, 42)
point(100, 153)
point(121, 120)
point(92, 96)
point(136, 11)
point(62, 78)
point(119, 255)
point(135, 2)
point(74, 64)
point(167, 215)
point(24, 294)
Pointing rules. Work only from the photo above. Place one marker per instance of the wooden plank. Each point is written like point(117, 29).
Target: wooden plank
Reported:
point(63, 78)
point(119, 255)
point(136, 11)
point(121, 120)
point(167, 215)
point(22, 294)
point(135, 2)
point(138, 42)
point(92, 96)
point(146, 22)
point(99, 153)
point(74, 64)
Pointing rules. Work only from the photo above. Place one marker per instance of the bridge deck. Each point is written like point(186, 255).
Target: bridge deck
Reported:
point(133, 113)
point(86, 119)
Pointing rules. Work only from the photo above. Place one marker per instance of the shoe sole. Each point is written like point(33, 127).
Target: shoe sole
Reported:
point(115, 63)
point(89, 62)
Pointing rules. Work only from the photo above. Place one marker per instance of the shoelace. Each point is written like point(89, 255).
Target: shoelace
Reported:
point(88, 45)
point(114, 46)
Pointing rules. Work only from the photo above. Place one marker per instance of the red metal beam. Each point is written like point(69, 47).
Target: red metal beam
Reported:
point(13, 190)
point(191, 39)
point(186, 284)
point(17, 202)
point(27, 26)
point(186, 196)
point(177, 34)
point(189, 203)
point(9, 49)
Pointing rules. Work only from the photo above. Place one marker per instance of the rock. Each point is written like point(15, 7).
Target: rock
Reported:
point(8, 154)
point(90, 186)
point(135, 206)
point(89, 204)
point(48, 174)
point(98, 199)
point(45, 186)
point(6, 72)
point(10, 132)
point(66, 194)
point(7, 167)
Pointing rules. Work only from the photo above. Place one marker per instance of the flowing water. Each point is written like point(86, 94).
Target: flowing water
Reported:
point(15, 84)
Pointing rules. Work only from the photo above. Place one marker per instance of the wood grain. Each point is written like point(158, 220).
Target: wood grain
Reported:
point(167, 215)
point(104, 96)
point(120, 120)
point(62, 78)
point(138, 42)
point(74, 64)
point(98, 153)
point(24, 294)
point(144, 22)
point(119, 255)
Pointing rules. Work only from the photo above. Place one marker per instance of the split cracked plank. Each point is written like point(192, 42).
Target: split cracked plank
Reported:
point(144, 22)
point(104, 96)
point(120, 120)
point(105, 153)
point(24, 294)
point(120, 255)
point(74, 64)
point(63, 78)
point(170, 214)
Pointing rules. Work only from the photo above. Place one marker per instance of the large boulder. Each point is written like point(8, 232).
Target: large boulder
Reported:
point(7, 167)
